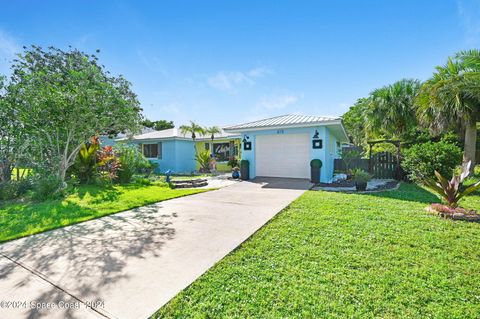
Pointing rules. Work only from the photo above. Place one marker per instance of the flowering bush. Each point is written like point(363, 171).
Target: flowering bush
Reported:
point(108, 163)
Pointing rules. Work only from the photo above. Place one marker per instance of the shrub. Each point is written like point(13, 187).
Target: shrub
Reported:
point(132, 162)
point(142, 181)
point(204, 160)
point(84, 167)
point(232, 162)
point(13, 189)
point(108, 164)
point(360, 176)
point(422, 160)
point(316, 163)
point(47, 188)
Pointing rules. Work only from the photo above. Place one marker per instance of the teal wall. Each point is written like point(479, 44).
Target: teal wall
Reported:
point(326, 154)
point(178, 156)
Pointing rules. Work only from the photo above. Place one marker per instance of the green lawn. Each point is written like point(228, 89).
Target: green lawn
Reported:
point(331, 255)
point(22, 219)
point(21, 171)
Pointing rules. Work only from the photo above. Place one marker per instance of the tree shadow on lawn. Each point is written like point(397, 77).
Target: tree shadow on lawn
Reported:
point(100, 193)
point(408, 192)
point(87, 259)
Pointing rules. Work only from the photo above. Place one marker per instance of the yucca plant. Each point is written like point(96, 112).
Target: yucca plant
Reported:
point(452, 190)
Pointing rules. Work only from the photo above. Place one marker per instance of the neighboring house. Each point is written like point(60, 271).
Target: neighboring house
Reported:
point(173, 151)
point(223, 147)
point(168, 148)
point(283, 146)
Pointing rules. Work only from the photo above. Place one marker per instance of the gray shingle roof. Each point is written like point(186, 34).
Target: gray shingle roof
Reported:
point(284, 121)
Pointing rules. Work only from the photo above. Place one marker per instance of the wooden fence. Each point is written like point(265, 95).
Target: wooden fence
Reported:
point(380, 165)
point(340, 165)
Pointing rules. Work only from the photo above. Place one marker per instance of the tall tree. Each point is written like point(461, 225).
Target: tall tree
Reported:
point(62, 99)
point(391, 109)
point(355, 122)
point(13, 140)
point(451, 98)
point(158, 125)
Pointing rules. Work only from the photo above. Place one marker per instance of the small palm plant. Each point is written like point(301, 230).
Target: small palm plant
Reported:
point(452, 190)
point(192, 129)
point(212, 131)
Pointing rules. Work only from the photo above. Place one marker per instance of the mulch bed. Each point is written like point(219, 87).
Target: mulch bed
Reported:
point(350, 183)
point(388, 185)
point(341, 183)
point(457, 213)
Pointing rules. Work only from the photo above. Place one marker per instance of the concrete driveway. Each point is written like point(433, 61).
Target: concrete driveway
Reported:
point(129, 264)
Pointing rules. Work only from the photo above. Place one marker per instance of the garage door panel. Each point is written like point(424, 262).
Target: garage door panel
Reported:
point(285, 155)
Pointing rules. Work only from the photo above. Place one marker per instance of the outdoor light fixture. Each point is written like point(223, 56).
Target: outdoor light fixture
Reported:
point(316, 134)
point(247, 146)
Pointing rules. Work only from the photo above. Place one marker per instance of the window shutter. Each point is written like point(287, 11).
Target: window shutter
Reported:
point(159, 150)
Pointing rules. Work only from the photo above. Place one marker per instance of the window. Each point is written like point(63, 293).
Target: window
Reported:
point(207, 146)
point(221, 151)
point(152, 150)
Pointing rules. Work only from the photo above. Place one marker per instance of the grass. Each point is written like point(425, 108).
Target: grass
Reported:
point(87, 202)
point(20, 171)
point(333, 255)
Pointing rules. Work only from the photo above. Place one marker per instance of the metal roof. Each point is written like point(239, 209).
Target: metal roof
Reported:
point(284, 121)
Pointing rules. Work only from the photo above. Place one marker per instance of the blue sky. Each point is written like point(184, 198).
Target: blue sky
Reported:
point(224, 62)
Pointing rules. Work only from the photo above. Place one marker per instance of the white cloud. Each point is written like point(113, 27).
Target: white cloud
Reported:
point(8, 48)
point(259, 72)
point(469, 14)
point(277, 102)
point(230, 81)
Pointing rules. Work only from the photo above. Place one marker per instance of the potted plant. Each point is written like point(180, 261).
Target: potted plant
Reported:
point(236, 172)
point(361, 179)
point(232, 162)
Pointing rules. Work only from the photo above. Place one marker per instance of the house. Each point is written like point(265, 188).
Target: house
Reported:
point(223, 147)
point(283, 146)
point(175, 152)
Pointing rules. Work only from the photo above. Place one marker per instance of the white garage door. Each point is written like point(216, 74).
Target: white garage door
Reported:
point(283, 155)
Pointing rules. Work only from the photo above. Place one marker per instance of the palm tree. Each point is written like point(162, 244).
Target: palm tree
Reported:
point(193, 129)
point(212, 130)
point(451, 98)
point(391, 109)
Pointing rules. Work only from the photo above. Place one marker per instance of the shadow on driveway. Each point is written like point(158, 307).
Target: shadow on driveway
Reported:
point(96, 251)
point(282, 183)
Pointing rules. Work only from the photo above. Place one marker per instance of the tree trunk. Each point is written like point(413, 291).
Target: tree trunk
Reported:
point(470, 143)
point(5, 171)
point(62, 174)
